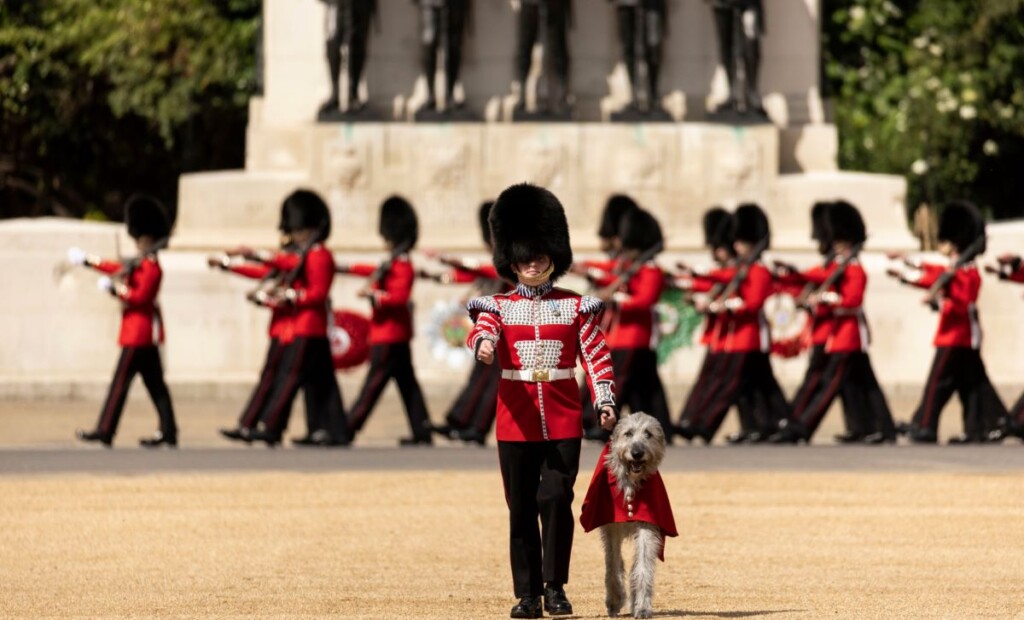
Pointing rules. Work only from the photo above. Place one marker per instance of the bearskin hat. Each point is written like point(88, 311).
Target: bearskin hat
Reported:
point(719, 228)
point(639, 230)
point(616, 207)
point(961, 224)
point(398, 222)
point(819, 226)
point(304, 208)
point(844, 223)
point(485, 224)
point(145, 216)
point(526, 222)
point(751, 224)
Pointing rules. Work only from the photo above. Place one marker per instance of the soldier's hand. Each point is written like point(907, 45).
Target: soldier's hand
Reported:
point(485, 352)
point(896, 273)
point(608, 418)
point(992, 269)
point(1007, 258)
point(896, 255)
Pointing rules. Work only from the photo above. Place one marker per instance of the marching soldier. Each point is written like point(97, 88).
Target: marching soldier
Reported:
point(746, 378)
point(719, 237)
point(1010, 268)
point(304, 294)
point(472, 414)
point(957, 366)
point(846, 369)
point(390, 294)
point(279, 333)
point(537, 333)
point(136, 284)
point(633, 336)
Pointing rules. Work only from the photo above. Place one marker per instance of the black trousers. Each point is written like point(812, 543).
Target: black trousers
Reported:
point(348, 22)
point(556, 42)
point(133, 361)
point(307, 364)
point(960, 370)
point(538, 477)
point(745, 379)
point(638, 385)
point(750, 55)
point(435, 21)
point(392, 361)
point(850, 376)
point(693, 409)
point(477, 403)
point(268, 381)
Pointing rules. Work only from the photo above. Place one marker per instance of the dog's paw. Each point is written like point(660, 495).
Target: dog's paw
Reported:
point(613, 612)
point(643, 613)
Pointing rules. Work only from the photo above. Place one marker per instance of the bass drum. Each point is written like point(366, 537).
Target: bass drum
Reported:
point(349, 334)
point(446, 334)
point(677, 321)
point(789, 325)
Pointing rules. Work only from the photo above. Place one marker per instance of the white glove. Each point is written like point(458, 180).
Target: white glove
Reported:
point(105, 284)
point(76, 256)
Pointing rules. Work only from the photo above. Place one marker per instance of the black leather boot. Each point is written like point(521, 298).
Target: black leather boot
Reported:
point(556, 603)
point(527, 607)
point(159, 439)
point(83, 435)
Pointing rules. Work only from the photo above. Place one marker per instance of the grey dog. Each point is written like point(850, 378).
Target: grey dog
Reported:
point(636, 450)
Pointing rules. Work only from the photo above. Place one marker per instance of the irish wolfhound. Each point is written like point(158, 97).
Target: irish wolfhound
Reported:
point(627, 500)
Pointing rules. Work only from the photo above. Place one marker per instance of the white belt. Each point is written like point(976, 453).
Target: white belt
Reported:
point(539, 375)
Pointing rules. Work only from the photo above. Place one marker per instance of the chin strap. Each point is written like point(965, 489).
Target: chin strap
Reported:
point(537, 280)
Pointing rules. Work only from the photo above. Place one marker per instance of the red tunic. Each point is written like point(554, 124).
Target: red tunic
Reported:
point(745, 327)
point(391, 320)
point(958, 314)
point(468, 275)
point(712, 336)
point(635, 324)
point(601, 272)
point(312, 290)
point(141, 324)
point(543, 328)
point(849, 327)
point(605, 504)
point(280, 316)
point(1015, 275)
point(794, 283)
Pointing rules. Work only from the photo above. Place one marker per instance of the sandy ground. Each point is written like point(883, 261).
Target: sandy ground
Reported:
point(433, 545)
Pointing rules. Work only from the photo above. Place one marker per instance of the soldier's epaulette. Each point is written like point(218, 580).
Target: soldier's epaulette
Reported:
point(484, 304)
point(590, 305)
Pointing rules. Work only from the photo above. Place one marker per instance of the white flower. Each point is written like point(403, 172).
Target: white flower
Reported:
point(968, 112)
point(869, 143)
point(969, 95)
point(919, 167)
point(921, 42)
point(933, 83)
point(915, 92)
point(990, 147)
point(935, 49)
point(1006, 112)
point(857, 13)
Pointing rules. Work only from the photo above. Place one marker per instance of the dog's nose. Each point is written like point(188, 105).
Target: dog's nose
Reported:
point(637, 453)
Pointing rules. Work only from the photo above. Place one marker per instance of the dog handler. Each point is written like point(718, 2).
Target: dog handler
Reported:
point(536, 332)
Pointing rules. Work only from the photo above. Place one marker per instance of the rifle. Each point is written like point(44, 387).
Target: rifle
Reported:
point(742, 269)
point(832, 278)
point(627, 274)
point(286, 282)
point(972, 251)
point(129, 266)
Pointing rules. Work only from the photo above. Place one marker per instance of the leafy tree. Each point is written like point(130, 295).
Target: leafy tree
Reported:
point(933, 90)
point(102, 98)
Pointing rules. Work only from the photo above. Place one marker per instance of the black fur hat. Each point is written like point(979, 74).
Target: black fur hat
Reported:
point(640, 230)
point(145, 216)
point(398, 222)
point(752, 224)
point(719, 228)
point(304, 208)
point(844, 223)
point(528, 221)
point(819, 226)
point(616, 207)
point(961, 224)
point(485, 224)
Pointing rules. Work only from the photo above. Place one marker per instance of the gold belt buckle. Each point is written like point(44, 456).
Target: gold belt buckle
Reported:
point(541, 375)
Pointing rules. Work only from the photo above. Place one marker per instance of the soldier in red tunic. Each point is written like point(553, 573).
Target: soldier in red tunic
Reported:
point(847, 369)
point(719, 233)
point(471, 416)
point(136, 283)
point(1010, 268)
point(304, 294)
point(537, 333)
point(390, 294)
point(957, 366)
point(633, 334)
point(245, 263)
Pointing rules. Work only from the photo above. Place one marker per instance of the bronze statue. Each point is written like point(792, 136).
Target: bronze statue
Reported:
point(740, 27)
point(554, 16)
point(348, 25)
point(642, 27)
point(442, 24)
